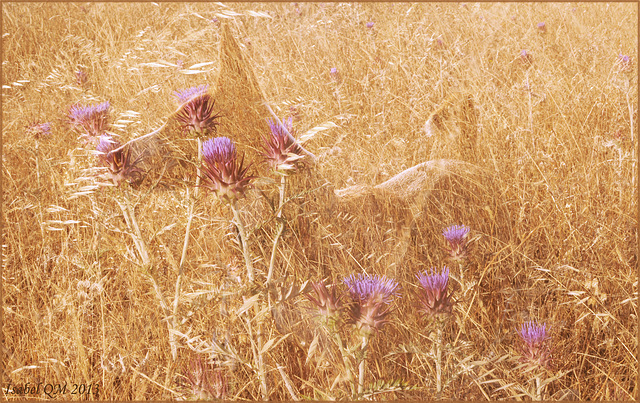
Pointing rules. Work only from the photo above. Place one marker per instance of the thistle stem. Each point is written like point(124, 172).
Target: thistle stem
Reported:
point(258, 359)
point(176, 298)
point(363, 363)
point(280, 229)
point(345, 359)
point(439, 361)
point(130, 218)
point(539, 389)
point(191, 206)
point(243, 239)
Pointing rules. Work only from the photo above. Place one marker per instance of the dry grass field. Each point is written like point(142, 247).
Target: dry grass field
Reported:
point(517, 121)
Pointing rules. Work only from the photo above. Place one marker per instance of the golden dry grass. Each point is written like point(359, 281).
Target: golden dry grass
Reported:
point(537, 156)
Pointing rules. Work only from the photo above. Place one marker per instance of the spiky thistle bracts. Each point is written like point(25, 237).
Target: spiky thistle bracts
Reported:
point(196, 114)
point(325, 299)
point(534, 343)
point(456, 236)
point(119, 163)
point(370, 298)
point(222, 171)
point(434, 296)
point(282, 152)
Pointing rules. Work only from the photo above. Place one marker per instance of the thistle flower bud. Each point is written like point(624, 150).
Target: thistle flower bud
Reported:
point(433, 295)
point(196, 112)
point(456, 236)
point(281, 151)
point(535, 343)
point(39, 130)
point(370, 297)
point(118, 163)
point(328, 304)
point(223, 172)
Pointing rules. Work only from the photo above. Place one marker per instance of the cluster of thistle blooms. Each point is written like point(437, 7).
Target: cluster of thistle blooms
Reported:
point(223, 170)
point(370, 297)
point(92, 122)
point(535, 346)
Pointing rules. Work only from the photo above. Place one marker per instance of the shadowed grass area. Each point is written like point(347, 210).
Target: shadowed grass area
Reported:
point(437, 114)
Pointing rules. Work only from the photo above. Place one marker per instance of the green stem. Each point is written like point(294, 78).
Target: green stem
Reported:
point(280, 229)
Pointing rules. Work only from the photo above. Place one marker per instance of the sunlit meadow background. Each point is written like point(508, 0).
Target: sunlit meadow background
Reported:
point(553, 237)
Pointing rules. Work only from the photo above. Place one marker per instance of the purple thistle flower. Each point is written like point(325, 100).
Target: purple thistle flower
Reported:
point(280, 150)
point(220, 149)
point(223, 173)
point(196, 112)
point(535, 346)
point(542, 26)
point(370, 25)
point(328, 304)
point(186, 94)
point(119, 165)
point(370, 297)
point(92, 119)
point(456, 236)
point(433, 295)
point(39, 130)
